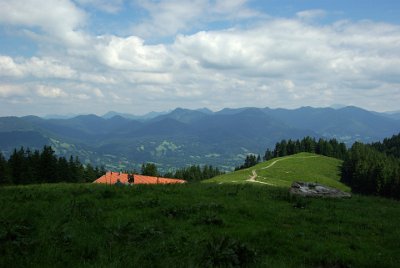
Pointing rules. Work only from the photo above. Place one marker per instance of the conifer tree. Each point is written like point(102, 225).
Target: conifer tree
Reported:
point(149, 169)
point(4, 176)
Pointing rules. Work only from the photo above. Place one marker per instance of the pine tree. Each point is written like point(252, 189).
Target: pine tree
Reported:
point(268, 155)
point(48, 165)
point(4, 176)
point(63, 170)
point(16, 163)
point(149, 169)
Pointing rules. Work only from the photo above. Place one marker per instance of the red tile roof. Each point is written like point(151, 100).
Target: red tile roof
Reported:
point(113, 177)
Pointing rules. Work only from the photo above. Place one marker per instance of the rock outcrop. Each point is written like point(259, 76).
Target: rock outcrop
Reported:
point(316, 190)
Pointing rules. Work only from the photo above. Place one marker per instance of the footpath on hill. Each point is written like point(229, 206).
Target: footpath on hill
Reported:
point(254, 171)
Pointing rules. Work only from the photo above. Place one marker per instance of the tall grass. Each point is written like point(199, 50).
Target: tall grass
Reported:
point(193, 225)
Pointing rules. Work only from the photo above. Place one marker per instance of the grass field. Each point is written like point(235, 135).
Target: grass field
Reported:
point(193, 225)
point(284, 170)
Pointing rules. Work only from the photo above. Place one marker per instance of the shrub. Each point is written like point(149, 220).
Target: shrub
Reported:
point(227, 252)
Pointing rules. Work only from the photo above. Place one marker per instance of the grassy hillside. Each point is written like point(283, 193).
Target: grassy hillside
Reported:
point(284, 170)
point(193, 225)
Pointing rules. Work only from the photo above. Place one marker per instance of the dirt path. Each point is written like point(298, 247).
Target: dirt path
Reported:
point(254, 172)
point(273, 163)
point(254, 176)
point(276, 161)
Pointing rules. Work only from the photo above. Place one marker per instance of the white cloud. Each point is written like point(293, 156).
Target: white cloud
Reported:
point(98, 93)
point(61, 19)
point(233, 9)
point(167, 18)
point(149, 78)
point(97, 78)
point(9, 68)
point(10, 90)
point(82, 96)
point(50, 92)
point(311, 14)
point(305, 54)
point(276, 62)
point(109, 6)
point(37, 67)
point(292, 48)
point(288, 84)
point(131, 54)
point(48, 67)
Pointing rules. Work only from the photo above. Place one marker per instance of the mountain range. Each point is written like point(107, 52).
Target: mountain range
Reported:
point(184, 137)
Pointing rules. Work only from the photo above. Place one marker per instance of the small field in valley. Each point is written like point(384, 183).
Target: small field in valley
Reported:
point(283, 171)
point(194, 225)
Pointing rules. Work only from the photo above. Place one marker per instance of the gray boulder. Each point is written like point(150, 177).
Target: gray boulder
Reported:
point(316, 190)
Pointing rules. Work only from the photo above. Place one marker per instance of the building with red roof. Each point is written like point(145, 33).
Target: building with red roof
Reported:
point(123, 178)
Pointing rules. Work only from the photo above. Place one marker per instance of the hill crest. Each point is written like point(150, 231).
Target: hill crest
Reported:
point(282, 171)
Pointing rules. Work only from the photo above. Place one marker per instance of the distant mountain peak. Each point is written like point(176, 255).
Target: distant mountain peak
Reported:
point(337, 106)
point(60, 116)
point(143, 117)
point(205, 110)
point(182, 115)
point(87, 116)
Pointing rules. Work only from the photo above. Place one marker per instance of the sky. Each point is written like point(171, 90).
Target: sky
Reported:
point(137, 56)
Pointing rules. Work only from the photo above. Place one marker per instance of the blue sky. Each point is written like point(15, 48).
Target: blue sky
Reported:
point(136, 56)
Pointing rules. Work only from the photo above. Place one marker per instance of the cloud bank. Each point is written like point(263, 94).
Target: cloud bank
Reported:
point(268, 61)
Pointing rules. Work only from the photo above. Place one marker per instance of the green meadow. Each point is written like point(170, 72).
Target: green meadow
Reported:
point(194, 225)
point(282, 171)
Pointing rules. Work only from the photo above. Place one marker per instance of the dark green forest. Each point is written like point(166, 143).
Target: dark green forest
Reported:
point(195, 173)
point(249, 161)
point(27, 167)
point(331, 148)
point(374, 168)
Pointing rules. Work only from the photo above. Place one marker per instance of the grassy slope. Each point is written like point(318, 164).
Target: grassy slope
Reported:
point(193, 225)
point(299, 167)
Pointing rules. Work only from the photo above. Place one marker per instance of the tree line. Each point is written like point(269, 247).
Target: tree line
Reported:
point(331, 148)
point(193, 173)
point(389, 146)
point(249, 161)
point(374, 168)
point(26, 167)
